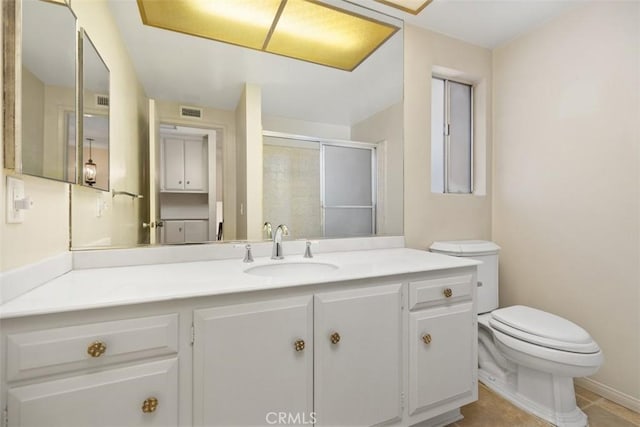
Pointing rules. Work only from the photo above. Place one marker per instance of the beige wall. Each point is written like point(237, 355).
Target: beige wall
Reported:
point(128, 129)
point(566, 178)
point(58, 100)
point(45, 231)
point(33, 135)
point(249, 163)
point(428, 216)
point(385, 127)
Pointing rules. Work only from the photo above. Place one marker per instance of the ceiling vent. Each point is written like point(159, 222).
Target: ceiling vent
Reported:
point(190, 112)
point(102, 100)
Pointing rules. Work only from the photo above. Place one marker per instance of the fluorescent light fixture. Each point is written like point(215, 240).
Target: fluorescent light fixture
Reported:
point(302, 29)
point(410, 6)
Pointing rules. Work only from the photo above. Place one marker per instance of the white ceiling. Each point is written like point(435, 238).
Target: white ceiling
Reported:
point(486, 23)
point(202, 72)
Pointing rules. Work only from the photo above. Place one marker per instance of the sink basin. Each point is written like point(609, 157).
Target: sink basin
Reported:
point(291, 269)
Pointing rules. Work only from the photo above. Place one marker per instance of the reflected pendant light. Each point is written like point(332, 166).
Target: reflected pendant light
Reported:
point(90, 168)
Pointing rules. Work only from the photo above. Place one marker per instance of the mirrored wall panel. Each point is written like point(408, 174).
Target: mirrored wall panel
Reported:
point(48, 136)
point(95, 117)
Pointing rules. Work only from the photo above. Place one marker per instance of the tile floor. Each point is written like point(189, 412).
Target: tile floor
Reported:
point(493, 411)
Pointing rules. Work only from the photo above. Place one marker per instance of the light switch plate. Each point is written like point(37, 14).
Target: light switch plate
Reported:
point(15, 191)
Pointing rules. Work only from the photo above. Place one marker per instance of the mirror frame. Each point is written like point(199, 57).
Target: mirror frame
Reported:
point(12, 83)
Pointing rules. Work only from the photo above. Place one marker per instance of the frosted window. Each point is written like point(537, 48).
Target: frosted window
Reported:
point(451, 137)
point(459, 138)
point(437, 135)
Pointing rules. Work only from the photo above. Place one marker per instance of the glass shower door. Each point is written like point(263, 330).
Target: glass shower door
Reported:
point(348, 190)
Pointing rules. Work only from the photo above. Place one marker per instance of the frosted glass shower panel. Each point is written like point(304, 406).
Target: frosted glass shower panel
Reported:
point(348, 222)
point(348, 191)
point(347, 176)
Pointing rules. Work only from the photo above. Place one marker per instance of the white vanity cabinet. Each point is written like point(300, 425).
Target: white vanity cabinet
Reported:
point(122, 372)
point(252, 359)
point(358, 356)
point(442, 344)
point(184, 164)
point(214, 346)
point(145, 394)
point(336, 356)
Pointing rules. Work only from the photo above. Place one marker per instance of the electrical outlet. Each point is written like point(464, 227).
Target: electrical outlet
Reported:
point(15, 191)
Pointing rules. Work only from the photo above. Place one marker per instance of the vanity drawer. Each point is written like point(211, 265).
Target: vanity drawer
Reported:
point(50, 351)
point(427, 293)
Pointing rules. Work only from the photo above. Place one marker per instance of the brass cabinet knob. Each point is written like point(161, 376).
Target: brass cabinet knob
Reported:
point(335, 338)
point(426, 338)
point(299, 345)
point(448, 292)
point(150, 405)
point(97, 349)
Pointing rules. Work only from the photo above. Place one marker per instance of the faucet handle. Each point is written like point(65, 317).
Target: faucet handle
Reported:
point(248, 257)
point(268, 230)
point(307, 251)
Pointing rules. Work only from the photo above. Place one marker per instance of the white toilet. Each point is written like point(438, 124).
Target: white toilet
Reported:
point(528, 356)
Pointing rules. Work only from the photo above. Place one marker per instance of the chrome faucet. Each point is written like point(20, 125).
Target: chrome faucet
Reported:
point(266, 229)
point(276, 253)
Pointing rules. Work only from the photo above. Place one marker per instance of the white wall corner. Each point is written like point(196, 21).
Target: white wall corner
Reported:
point(16, 282)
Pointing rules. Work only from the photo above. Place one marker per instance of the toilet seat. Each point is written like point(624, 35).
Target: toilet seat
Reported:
point(538, 327)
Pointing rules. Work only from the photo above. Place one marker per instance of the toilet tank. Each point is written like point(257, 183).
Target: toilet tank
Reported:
point(487, 253)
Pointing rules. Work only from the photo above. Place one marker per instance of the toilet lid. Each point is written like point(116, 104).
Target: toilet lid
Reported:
point(542, 328)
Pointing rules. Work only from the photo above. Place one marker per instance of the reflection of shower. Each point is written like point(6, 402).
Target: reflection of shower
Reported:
point(319, 187)
point(90, 168)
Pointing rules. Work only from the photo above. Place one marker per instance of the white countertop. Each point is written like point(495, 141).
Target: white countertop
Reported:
point(108, 287)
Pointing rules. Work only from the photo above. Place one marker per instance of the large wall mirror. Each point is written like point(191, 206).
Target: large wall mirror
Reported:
point(197, 87)
point(48, 88)
point(307, 112)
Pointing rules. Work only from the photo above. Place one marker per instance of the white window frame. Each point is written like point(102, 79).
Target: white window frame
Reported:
point(446, 134)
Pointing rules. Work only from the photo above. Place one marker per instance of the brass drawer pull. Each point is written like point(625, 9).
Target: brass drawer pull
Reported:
point(426, 338)
point(97, 349)
point(150, 405)
point(299, 345)
point(448, 292)
point(335, 338)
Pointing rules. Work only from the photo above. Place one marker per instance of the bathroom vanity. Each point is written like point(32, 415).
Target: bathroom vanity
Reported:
point(383, 336)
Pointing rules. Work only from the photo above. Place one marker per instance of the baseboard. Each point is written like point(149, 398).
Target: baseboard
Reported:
point(609, 393)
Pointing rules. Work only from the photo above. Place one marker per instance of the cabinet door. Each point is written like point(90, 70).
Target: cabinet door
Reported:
point(173, 164)
point(173, 231)
point(111, 398)
point(195, 165)
point(247, 365)
point(442, 365)
point(358, 347)
point(196, 231)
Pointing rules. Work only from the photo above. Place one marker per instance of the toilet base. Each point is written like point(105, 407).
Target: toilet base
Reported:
point(546, 396)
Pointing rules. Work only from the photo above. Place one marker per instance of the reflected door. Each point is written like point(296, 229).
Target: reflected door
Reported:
point(348, 191)
point(154, 174)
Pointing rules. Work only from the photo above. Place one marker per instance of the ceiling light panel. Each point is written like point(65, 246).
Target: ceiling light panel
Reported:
point(411, 6)
point(302, 29)
point(240, 22)
point(322, 34)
